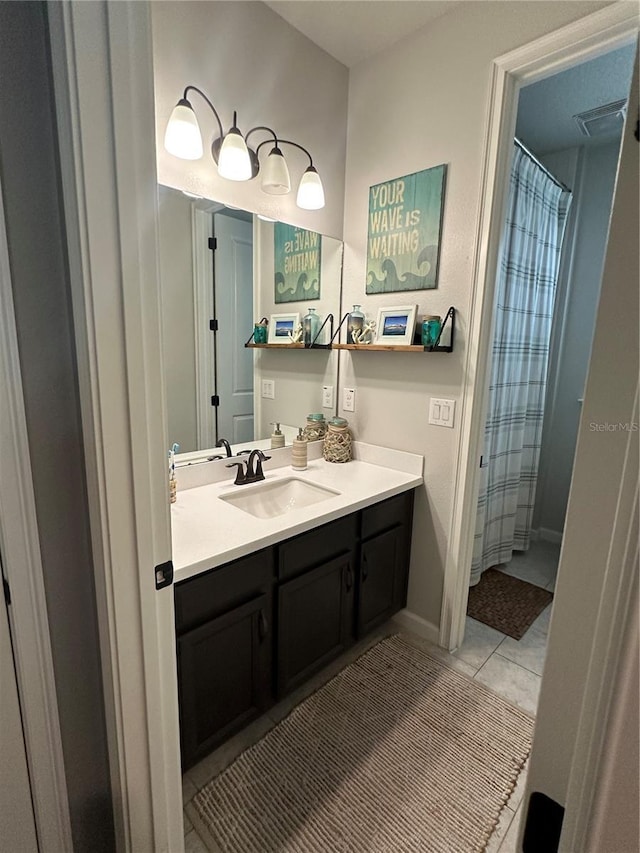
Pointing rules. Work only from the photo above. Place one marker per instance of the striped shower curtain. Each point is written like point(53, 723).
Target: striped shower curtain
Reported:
point(525, 293)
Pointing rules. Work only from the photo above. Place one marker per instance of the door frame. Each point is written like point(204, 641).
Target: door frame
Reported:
point(587, 38)
point(109, 183)
point(103, 82)
point(22, 568)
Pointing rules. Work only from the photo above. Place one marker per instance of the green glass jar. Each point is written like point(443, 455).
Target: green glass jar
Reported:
point(431, 325)
point(260, 333)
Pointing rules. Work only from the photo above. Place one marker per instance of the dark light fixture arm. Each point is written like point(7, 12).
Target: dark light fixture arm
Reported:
point(202, 95)
point(261, 127)
point(286, 142)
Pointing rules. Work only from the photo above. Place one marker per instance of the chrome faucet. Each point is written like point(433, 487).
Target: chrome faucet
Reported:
point(250, 474)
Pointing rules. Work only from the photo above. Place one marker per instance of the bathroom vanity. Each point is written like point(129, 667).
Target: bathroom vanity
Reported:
point(311, 581)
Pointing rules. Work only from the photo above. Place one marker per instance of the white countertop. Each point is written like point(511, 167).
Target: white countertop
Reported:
point(209, 532)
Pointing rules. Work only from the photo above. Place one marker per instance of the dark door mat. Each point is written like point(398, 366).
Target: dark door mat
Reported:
point(506, 603)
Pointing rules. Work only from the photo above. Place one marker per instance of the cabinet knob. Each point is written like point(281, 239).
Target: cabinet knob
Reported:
point(349, 577)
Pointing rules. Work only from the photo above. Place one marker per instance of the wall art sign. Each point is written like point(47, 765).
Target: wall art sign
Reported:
point(297, 254)
point(405, 224)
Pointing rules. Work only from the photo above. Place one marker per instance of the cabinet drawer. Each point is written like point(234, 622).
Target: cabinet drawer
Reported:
point(208, 595)
point(387, 514)
point(317, 546)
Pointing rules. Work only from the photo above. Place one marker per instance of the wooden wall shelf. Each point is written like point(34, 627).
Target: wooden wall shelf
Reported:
point(450, 315)
point(275, 346)
point(287, 346)
point(381, 347)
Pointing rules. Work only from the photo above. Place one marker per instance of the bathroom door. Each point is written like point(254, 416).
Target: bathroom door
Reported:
point(595, 596)
point(233, 295)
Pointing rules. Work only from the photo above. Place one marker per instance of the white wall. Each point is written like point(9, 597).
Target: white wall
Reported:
point(247, 58)
point(420, 103)
point(178, 331)
point(592, 180)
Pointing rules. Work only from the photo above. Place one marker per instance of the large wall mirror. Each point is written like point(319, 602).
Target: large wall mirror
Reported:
point(219, 274)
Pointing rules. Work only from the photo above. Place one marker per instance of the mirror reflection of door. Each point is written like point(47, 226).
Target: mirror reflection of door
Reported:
point(233, 302)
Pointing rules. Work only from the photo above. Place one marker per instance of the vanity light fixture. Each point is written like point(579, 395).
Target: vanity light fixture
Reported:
point(236, 161)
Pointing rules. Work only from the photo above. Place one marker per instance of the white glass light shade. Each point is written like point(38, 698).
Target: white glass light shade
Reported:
point(182, 137)
point(234, 162)
point(275, 174)
point(310, 192)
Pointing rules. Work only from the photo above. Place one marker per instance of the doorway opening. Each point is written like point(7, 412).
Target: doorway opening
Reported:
point(525, 478)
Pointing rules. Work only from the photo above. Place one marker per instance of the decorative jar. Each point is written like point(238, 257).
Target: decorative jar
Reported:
point(355, 323)
point(260, 333)
point(431, 324)
point(337, 442)
point(316, 427)
point(311, 327)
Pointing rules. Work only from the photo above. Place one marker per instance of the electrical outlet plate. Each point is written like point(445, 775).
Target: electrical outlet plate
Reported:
point(349, 399)
point(268, 389)
point(441, 411)
point(327, 396)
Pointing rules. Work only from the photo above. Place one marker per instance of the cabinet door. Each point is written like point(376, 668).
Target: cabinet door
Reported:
point(315, 620)
point(381, 566)
point(224, 676)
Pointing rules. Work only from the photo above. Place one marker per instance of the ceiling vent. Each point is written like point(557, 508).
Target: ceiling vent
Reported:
point(603, 121)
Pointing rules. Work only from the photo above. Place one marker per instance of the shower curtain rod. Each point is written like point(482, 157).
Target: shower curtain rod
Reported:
point(538, 163)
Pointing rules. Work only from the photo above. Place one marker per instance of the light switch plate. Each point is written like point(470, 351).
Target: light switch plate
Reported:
point(269, 389)
point(349, 399)
point(441, 411)
point(327, 396)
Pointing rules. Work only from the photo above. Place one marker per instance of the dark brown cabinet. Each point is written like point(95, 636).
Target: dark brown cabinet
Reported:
point(224, 626)
point(252, 630)
point(315, 622)
point(379, 562)
point(225, 676)
point(384, 561)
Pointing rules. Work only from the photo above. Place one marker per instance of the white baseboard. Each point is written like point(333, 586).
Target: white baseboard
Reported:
point(549, 535)
point(418, 625)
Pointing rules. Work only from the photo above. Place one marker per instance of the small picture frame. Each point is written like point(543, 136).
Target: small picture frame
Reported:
point(282, 327)
point(396, 326)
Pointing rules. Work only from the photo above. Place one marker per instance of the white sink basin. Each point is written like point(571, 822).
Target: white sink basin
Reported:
point(270, 499)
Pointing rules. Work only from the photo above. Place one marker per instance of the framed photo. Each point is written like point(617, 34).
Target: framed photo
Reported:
point(396, 326)
point(281, 326)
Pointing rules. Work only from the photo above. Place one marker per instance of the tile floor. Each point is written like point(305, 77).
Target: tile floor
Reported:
point(509, 667)
point(513, 668)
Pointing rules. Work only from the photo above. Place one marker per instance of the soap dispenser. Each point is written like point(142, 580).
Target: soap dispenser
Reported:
point(299, 452)
point(277, 438)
